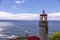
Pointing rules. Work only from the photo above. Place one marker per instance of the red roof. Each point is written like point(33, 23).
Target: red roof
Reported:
point(33, 38)
point(43, 14)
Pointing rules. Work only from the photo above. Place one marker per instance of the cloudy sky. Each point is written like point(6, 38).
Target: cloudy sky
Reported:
point(29, 9)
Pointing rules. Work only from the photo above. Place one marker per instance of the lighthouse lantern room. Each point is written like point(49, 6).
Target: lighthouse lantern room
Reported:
point(43, 16)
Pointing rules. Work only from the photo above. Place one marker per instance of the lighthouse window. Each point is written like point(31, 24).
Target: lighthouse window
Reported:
point(43, 18)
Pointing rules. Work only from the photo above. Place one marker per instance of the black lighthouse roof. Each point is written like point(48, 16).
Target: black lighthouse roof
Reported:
point(43, 14)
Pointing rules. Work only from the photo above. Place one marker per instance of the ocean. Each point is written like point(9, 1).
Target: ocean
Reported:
point(16, 28)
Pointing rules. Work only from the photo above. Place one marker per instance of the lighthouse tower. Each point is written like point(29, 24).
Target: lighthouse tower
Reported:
point(43, 27)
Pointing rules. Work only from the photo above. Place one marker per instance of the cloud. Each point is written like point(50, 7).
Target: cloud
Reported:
point(54, 16)
point(28, 16)
point(15, 7)
point(24, 16)
point(19, 1)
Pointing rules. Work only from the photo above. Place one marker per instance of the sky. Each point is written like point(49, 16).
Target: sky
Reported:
point(29, 9)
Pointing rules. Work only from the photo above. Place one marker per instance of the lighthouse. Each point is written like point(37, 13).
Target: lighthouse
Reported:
point(43, 26)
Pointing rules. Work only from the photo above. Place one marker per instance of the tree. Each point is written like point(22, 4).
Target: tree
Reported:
point(55, 36)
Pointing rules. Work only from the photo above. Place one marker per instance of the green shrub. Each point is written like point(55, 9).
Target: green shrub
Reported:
point(55, 36)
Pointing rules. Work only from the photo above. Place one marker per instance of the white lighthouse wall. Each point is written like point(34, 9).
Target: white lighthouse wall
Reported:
point(43, 34)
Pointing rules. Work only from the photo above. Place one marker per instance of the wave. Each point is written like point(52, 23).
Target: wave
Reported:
point(1, 29)
point(6, 36)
